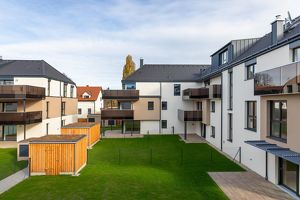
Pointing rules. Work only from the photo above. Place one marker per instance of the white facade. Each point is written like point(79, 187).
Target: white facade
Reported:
point(93, 106)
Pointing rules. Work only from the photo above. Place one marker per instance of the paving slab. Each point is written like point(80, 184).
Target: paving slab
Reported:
point(13, 180)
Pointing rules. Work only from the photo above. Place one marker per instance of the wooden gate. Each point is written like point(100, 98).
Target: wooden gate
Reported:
point(53, 159)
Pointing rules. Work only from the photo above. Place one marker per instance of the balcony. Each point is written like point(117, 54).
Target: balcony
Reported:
point(189, 115)
point(116, 114)
point(132, 95)
point(21, 92)
point(20, 118)
point(280, 80)
point(195, 93)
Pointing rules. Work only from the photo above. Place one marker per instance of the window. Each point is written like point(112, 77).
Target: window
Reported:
point(230, 90)
point(150, 105)
point(47, 109)
point(213, 106)
point(79, 111)
point(229, 138)
point(72, 91)
point(164, 105)
point(164, 124)
point(49, 87)
point(251, 115)
point(63, 122)
point(288, 174)
point(86, 96)
point(63, 108)
point(296, 54)
point(6, 82)
point(223, 57)
point(289, 88)
point(47, 129)
point(213, 132)
point(65, 89)
point(199, 105)
point(278, 115)
point(206, 83)
point(10, 107)
point(250, 69)
point(23, 150)
point(89, 111)
point(9, 133)
point(176, 89)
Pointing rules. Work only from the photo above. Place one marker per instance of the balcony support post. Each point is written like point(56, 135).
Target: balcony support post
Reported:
point(24, 105)
point(185, 130)
point(24, 132)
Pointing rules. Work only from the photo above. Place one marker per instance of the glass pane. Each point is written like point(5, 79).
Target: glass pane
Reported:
point(11, 107)
point(275, 129)
point(250, 122)
point(276, 110)
point(250, 108)
point(296, 54)
point(288, 74)
point(284, 111)
point(290, 175)
point(284, 130)
point(10, 133)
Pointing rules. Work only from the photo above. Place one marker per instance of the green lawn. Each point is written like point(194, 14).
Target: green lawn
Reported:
point(8, 162)
point(154, 167)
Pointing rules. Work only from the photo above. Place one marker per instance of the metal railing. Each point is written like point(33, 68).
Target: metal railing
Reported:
point(21, 91)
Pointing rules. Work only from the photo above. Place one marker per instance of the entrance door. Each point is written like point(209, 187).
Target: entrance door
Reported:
point(52, 162)
point(289, 175)
point(203, 130)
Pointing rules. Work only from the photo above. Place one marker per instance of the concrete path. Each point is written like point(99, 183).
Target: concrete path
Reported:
point(193, 138)
point(247, 186)
point(13, 180)
point(118, 134)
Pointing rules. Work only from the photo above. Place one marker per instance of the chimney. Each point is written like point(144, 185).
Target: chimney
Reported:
point(277, 29)
point(141, 62)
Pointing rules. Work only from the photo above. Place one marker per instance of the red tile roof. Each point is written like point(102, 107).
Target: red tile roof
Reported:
point(91, 90)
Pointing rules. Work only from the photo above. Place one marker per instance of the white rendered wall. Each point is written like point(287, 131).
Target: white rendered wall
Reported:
point(84, 106)
point(148, 89)
point(151, 126)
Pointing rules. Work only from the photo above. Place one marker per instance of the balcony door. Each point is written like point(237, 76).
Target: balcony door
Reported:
point(8, 133)
point(289, 175)
point(203, 130)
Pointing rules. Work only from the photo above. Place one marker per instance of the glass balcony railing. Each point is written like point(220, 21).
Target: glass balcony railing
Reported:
point(280, 80)
point(184, 115)
point(19, 118)
point(121, 94)
point(21, 92)
point(107, 114)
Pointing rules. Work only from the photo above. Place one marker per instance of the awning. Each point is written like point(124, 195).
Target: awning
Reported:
point(276, 150)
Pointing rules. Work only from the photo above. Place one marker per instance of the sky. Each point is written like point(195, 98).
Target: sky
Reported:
point(89, 40)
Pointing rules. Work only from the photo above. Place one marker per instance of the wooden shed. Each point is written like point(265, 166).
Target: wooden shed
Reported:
point(90, 129)
point(57, 154)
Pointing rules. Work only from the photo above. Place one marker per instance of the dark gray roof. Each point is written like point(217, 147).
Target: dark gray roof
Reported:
point(31, 68)
point(261, 46)
point(166, 73)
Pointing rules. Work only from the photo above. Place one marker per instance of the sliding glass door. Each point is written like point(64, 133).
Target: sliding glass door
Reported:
point(289, 175)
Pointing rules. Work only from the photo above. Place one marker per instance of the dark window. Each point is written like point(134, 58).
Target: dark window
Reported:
point(230, 90)
point(298, 87)
point(289, 88)
point(65, 89)
point(177, 89)
point(7, 82)
point(63, 122)
point(91, 119)
point(79, 111)
point(229, 138)
point(213, 106)
point(296, 54)
point(47, 109)
point(23, 150)
point(164, 105)
point(9, 133)
point(223, 57)
point(89, 111)
point(49, 87)
point(125, 105)
point(10, 107)
point(206, 83)
point(150, 105)
point(199, 105)
point(72, 91)
point(164, 124)
point(278, 115)
point(250, 71)
point(251, 115)
point(63, 108)
point(213, 132)
point(289, 175)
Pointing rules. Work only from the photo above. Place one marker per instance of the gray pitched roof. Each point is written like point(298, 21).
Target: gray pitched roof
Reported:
point(34, 68)
point(166, 73)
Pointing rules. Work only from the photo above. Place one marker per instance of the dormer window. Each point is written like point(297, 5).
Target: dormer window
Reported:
point(86, 95)
point(224, 57)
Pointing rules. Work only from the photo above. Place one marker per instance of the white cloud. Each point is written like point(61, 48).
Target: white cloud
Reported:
point(89, 41)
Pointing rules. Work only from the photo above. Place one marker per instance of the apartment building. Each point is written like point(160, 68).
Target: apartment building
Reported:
point(35, 100)
point(152, 98)
point(246, 103)
point(89, 102)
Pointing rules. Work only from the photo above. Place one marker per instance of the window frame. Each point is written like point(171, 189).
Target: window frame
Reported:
point(294, 54)
point(230, 128)
point(149, 105)
point(164, 105)
point(251, 66)
point(252, 115)
point(63, 108)
point(47, 109)
point(222, 58)
point(164, 122)
point(230, 85)
point(65, 90)
point(177, 93)
point(280, 121)
point(213, 106)
point(79, 111)
point(213, 132)
point(89, 111)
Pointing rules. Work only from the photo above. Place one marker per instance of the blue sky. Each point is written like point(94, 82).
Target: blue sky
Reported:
point(89, 40)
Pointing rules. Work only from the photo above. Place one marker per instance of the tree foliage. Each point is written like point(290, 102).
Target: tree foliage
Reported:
point(129, 67)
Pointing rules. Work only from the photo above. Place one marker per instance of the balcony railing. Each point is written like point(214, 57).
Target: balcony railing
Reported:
point(116, 114)
point(215, 91)
point(121, 94)
point(19, 118)
point(189, 115)
point(195, 93)
point(21, 92)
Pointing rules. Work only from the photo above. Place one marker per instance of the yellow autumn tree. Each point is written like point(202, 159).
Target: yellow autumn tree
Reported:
point(129, 67)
